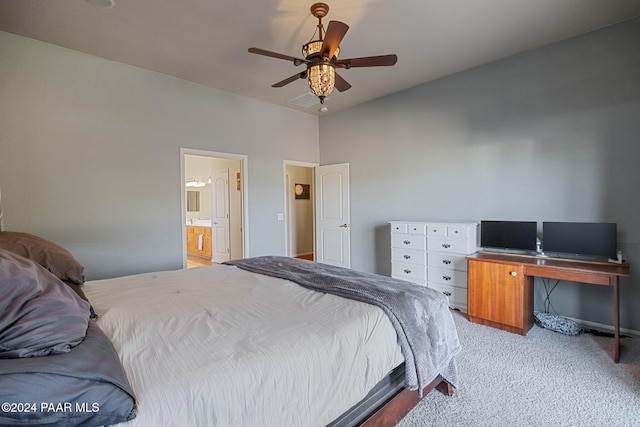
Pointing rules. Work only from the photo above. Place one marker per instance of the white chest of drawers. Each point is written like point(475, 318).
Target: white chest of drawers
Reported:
point(434, 254)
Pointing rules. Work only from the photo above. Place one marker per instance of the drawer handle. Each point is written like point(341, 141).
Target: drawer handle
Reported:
point(407, 256)
point(514, 273)
point(406, 270)
point(446, 277)
point(407, 242)
point(446, 261)
point(447, 293)
point(446, 245)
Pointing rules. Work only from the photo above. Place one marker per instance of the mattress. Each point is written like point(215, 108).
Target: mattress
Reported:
point(220, 346)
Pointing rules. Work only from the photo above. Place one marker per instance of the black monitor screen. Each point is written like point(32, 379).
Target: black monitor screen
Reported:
point(597, 239)
point(519, 235)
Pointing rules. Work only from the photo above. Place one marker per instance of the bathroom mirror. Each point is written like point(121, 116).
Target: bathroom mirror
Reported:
point(193, 201)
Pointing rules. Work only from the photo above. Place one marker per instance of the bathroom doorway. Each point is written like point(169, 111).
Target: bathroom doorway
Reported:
point(213, 207)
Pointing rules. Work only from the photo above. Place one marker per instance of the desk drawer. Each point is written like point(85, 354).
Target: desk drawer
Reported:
point(569, 275)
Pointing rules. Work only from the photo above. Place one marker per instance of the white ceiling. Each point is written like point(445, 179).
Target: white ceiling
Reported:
point(206, 41)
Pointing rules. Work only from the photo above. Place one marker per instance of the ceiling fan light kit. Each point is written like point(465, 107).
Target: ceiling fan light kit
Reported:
point(322, 80)
point(321, 58)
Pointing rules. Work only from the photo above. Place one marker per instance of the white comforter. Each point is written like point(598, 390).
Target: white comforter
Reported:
point(220, 346)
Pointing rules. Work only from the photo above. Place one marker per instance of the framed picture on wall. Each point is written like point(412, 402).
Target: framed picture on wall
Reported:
point(302, 191)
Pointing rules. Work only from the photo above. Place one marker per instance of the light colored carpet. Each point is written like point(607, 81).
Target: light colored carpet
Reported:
point(542, 379)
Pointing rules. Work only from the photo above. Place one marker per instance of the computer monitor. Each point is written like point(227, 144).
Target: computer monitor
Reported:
point(589, 239)
point(509, 235)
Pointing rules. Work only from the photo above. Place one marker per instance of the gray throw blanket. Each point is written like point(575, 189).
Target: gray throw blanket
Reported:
point(426, 332)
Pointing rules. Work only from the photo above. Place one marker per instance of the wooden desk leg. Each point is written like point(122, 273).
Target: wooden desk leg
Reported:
point(616, 321)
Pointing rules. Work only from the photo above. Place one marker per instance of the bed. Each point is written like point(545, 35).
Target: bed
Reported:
point(253, 343)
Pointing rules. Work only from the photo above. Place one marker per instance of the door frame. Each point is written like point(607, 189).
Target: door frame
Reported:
point(287, 201)
point(244, 186)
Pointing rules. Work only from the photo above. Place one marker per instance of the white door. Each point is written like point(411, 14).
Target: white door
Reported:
point(220, 217)
point(333, 228)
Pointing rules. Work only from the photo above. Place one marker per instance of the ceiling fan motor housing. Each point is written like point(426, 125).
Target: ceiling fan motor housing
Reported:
point(312, 49)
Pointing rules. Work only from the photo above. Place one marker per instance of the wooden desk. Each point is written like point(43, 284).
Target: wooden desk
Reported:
point(500, 287)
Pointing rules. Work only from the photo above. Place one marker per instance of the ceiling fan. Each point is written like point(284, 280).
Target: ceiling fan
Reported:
point(321, 58)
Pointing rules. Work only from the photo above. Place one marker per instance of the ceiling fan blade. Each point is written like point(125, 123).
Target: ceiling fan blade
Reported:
point(332, 38)
point(296, 61)
point(291, 79)
point(341, 84)
point(368, 61)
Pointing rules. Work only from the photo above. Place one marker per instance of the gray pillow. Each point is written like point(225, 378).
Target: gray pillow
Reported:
point(39, 315)
point(51, 256)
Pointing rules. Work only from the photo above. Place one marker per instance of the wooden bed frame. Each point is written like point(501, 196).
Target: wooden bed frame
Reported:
point(399, 405)
point(388, 402)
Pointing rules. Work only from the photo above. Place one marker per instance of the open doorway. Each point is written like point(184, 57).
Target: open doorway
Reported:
point(213, 207)
point(299, 201)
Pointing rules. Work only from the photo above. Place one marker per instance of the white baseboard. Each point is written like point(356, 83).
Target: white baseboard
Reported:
point(603, 327)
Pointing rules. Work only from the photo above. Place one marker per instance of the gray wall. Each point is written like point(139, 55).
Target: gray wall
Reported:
point(550, 134)
point(76, 131)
